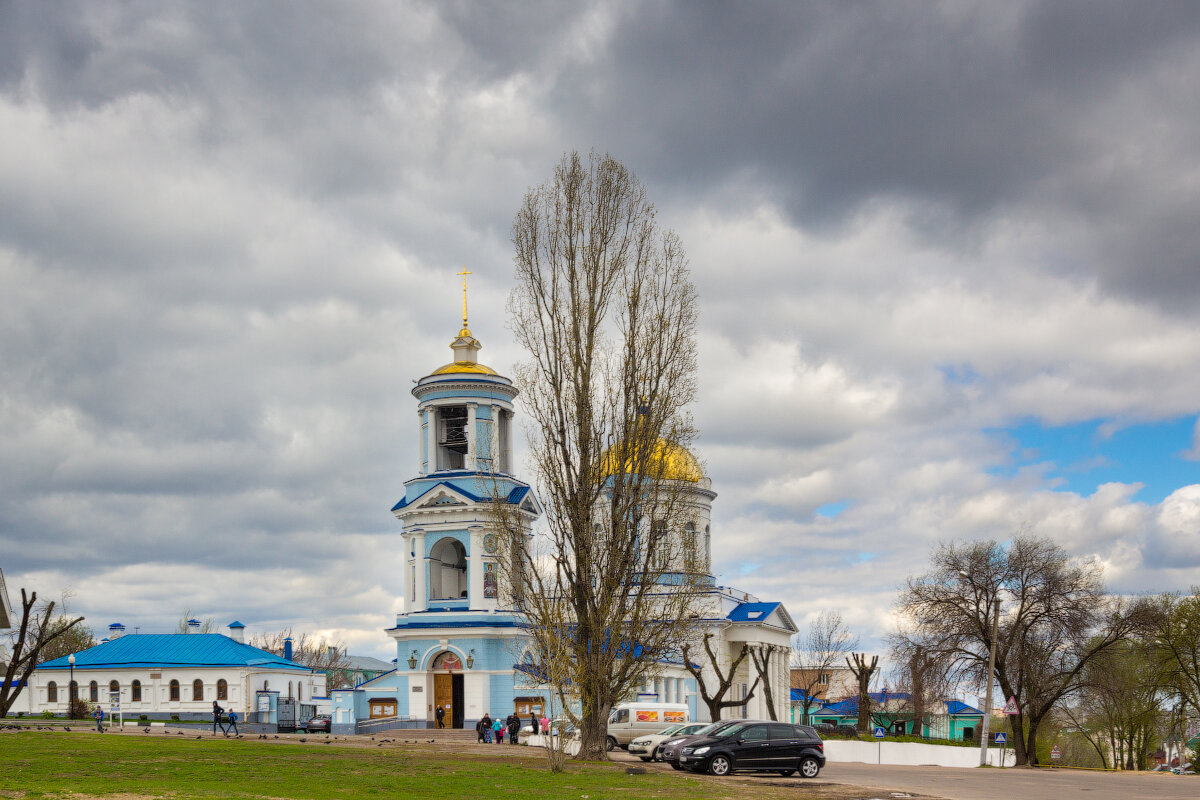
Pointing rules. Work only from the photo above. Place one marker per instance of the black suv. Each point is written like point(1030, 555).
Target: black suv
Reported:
point(756, 745)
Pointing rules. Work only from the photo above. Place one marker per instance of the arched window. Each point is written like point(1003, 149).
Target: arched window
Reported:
point(707, 546)
point(135, 692)
point(73, 692)
point(113, 686)
point(197, 689)
point(222, 689)
point(299, 690)
point(94, 692)
point(447, 570)
point(175, 691)
point(51, 692)
point(689, 540)
point(289, 690)
point(266, 685)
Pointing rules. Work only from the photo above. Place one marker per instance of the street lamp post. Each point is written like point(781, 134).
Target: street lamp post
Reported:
point(71, 688)
point(991, 678)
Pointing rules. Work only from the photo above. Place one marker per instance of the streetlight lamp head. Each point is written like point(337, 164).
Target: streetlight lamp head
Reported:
point(71, 659)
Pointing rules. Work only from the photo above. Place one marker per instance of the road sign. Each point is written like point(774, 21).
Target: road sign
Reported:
point(1010, 707)
point(1001, 738)
point(1055, 753)
point(879, 732)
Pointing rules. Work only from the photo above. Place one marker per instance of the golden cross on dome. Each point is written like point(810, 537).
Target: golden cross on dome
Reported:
point(465, 272)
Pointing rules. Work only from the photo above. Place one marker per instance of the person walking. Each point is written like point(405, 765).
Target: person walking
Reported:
point(99, 715)
point(514, 727)
point(479, 731)
point(217, 712)
point(498, 730)
point(441, 716)
point(545, 726)
point(232, 723)
point(533, 724)
point(487, 728)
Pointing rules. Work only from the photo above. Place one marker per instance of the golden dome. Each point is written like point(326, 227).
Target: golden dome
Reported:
point(676, 463)
point(468, 367)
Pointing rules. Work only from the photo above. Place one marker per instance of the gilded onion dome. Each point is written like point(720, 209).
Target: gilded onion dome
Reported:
point(672, 459)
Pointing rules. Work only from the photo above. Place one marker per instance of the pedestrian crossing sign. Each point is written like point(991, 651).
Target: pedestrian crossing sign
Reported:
point(1001, 738)
point(879, 734)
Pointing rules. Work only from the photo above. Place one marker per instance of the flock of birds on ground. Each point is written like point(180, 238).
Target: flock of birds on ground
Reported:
point(327, 740)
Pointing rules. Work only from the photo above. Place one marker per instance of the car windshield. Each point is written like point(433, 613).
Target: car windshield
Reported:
point(712, 728)
point(670, 730)
point(730, 730)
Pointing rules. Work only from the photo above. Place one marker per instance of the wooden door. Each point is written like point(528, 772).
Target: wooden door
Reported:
point(443, 695)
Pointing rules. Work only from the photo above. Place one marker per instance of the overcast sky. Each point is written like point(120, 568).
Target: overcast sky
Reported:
point(947, 255)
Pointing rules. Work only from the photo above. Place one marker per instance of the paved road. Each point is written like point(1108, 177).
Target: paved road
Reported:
point(1027, 784)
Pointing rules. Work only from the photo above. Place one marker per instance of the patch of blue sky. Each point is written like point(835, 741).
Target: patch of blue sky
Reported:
point(1082, 456)
point(831, 510)
point(959, 373)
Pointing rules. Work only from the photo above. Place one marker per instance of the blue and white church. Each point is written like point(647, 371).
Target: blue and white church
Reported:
point(458, 645)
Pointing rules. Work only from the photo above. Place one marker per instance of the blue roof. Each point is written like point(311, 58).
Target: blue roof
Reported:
point(174, 650)
point(236, 624)
point(959, 707)
point(798, 696)
point(515, 496)
point(752, 612)
point(849, 706)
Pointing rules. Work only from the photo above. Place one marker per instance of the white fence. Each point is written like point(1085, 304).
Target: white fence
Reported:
point(912, 754)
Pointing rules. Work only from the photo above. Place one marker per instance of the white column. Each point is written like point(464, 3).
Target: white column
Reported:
point(431, 438)
point(421, 437)
point(472, 435)
point(475, 568)
point(495, 443)
point(422, 601)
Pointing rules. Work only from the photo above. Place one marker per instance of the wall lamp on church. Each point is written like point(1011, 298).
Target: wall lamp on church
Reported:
point(471, 659)
point(412, 660)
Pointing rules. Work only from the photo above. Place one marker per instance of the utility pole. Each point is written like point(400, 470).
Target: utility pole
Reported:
point(991, 679)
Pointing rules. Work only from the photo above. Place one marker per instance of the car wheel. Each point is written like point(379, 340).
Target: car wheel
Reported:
point(646, 758)
point(654, 755)
point(719, 765)
point(611, 744)
point(674, 765)
point(787, 772)
point(809, 767)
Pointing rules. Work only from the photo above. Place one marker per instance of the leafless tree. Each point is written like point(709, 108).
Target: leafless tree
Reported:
point(762, 656)
point(39, 628)
point(207, 625)
point(863, 672)
point(926, 676)
point(716, 697)
point(1058, 619)
point(307, 650)
point(605, 309)
point(814, 655)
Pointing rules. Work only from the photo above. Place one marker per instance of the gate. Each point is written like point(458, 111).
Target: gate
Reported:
point(287, 715)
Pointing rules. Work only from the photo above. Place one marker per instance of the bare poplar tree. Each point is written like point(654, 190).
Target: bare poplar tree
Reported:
point(1059, 618)
point(605, 309)
point(863, 672)
point(814, 655)
point(38, 629)
point(716, 696)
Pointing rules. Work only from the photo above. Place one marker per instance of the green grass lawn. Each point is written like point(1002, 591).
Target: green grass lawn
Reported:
point(59, 764)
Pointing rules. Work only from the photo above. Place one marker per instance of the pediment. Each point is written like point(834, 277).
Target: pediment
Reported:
point(442, 496)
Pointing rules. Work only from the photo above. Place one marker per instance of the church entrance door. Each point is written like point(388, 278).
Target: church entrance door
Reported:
point(448, 693)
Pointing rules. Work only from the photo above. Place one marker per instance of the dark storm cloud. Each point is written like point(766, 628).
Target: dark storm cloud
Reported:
point(973, 113)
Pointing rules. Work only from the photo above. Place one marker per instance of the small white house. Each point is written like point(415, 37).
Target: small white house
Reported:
point(176, 674)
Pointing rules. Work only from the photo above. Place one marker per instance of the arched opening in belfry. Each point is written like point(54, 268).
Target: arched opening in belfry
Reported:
point(447, 570)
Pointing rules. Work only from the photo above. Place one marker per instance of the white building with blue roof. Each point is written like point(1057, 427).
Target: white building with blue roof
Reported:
point(459, 646)
point(176, 675)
